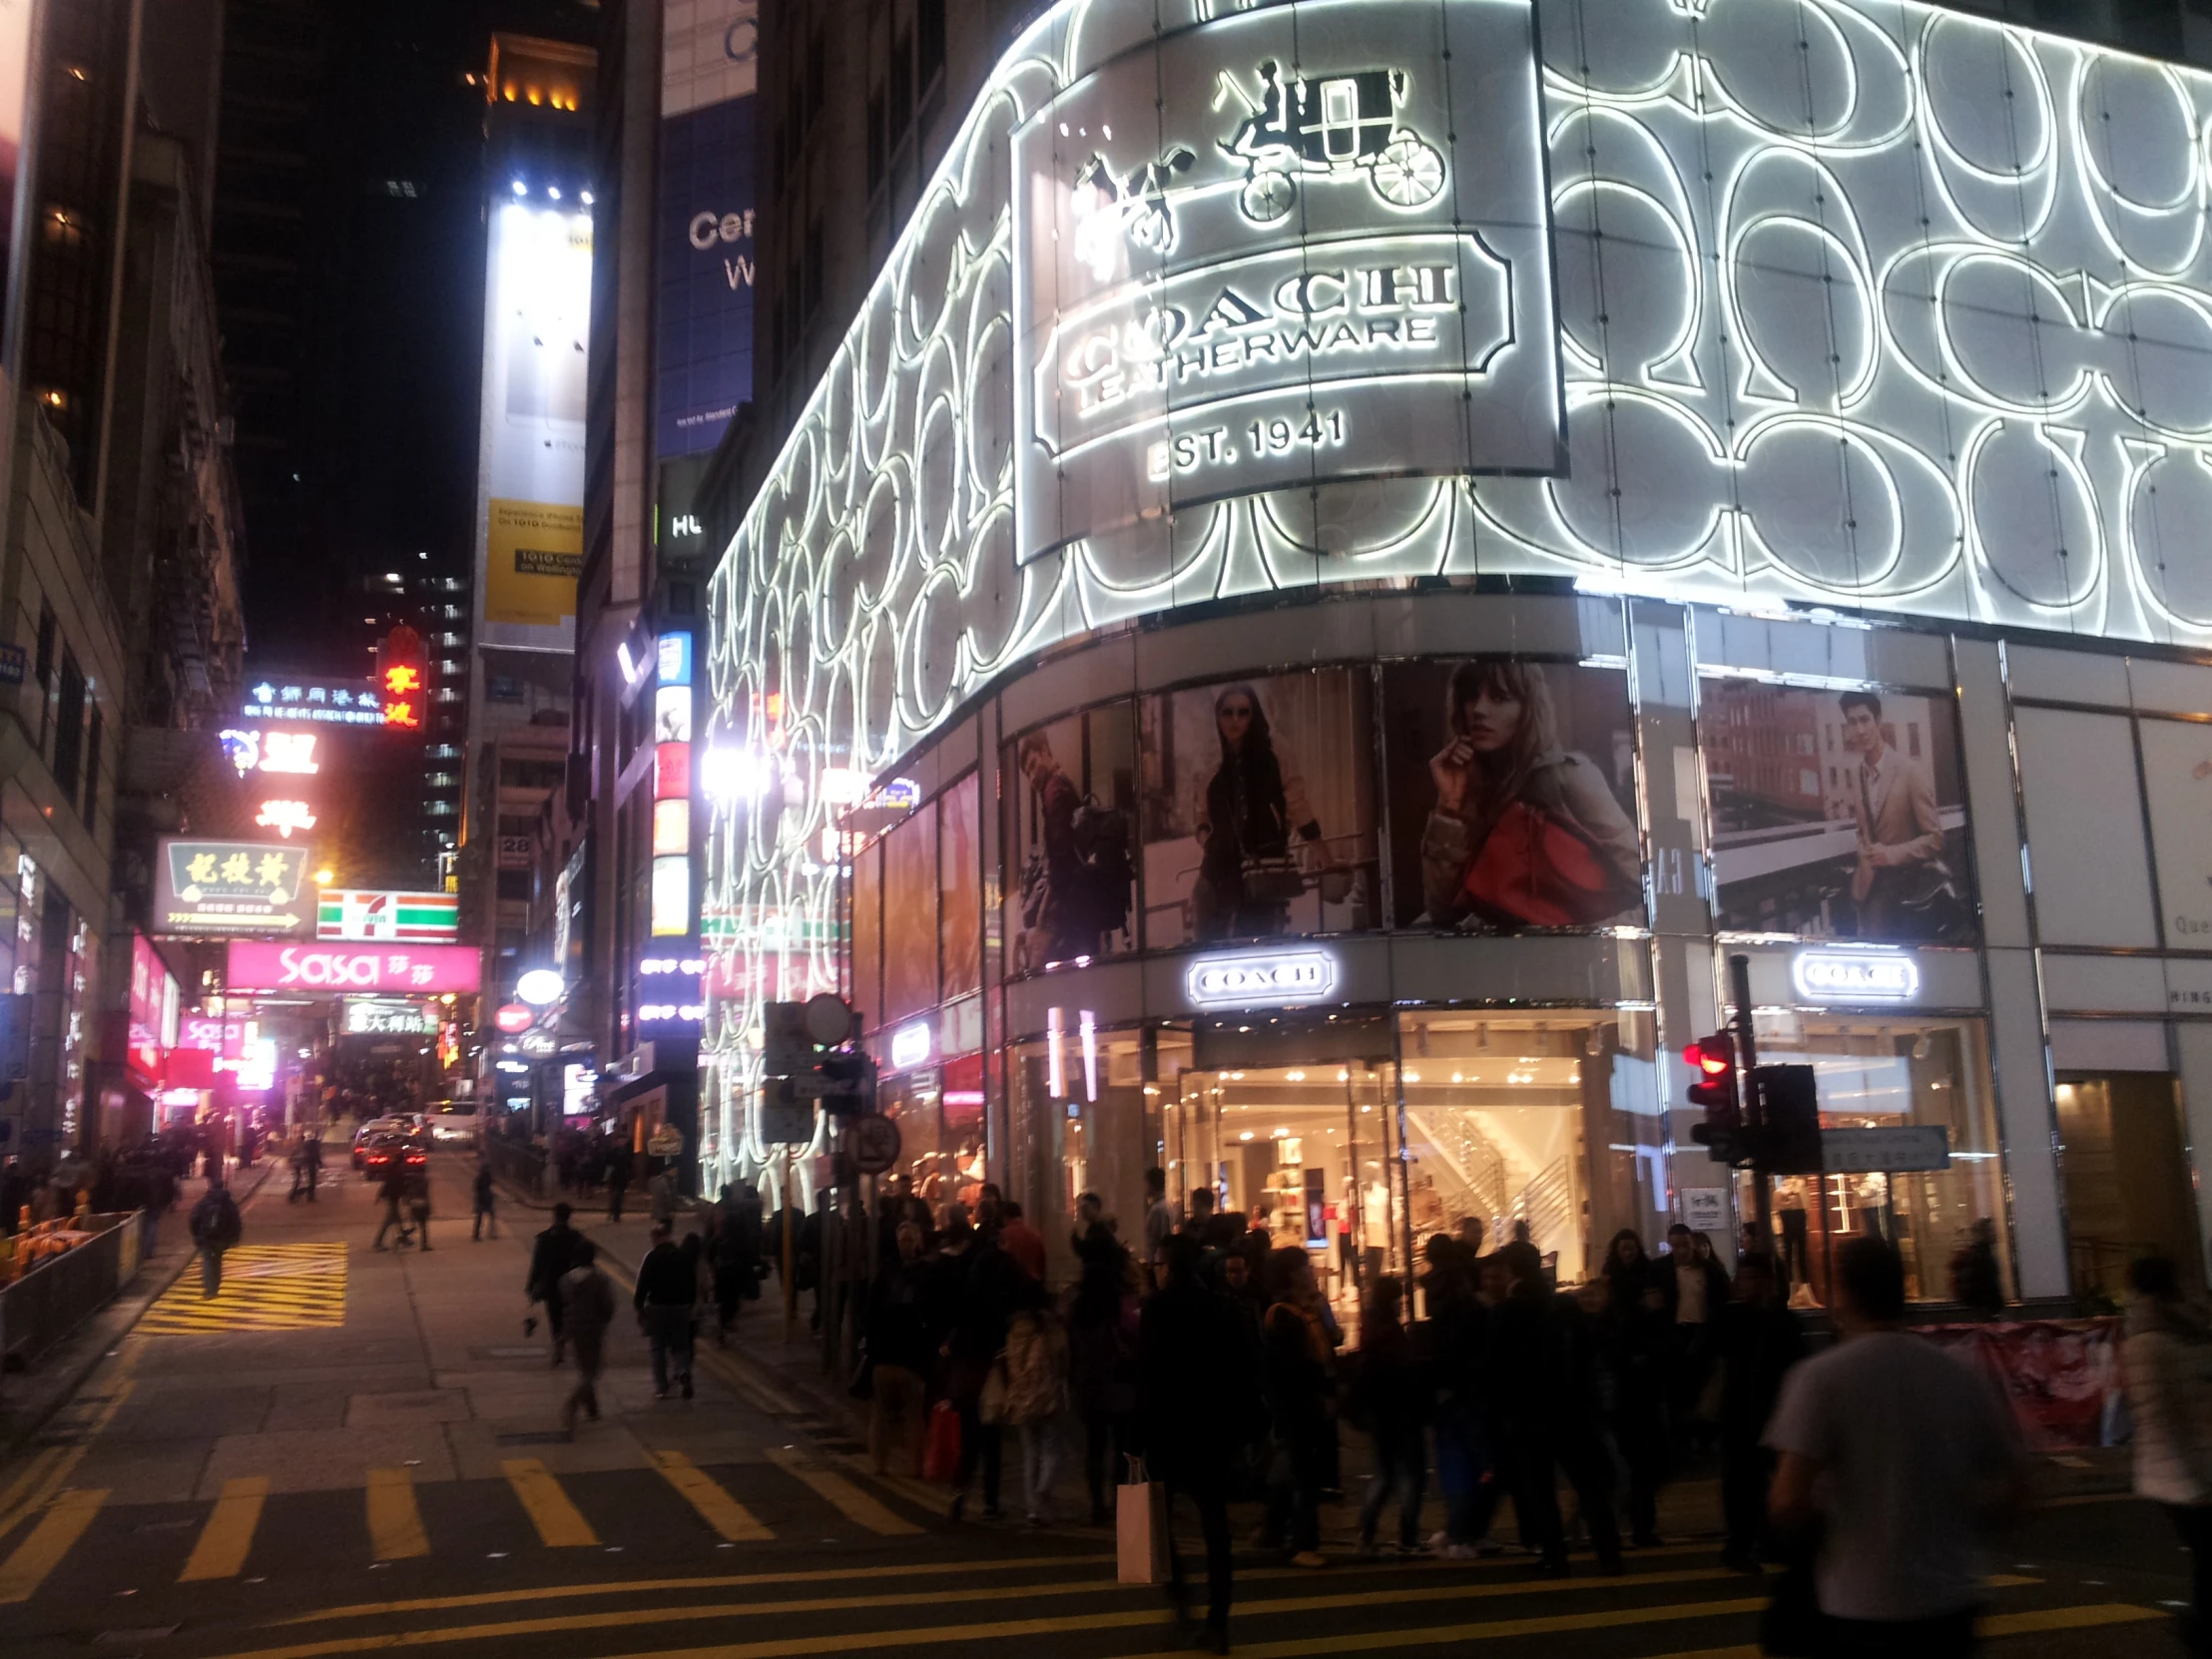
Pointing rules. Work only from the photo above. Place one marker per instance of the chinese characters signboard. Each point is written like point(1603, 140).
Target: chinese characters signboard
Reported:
point(325, 702)
point(206, 890)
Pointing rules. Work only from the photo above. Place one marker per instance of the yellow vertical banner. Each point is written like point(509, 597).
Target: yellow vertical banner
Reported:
point(535, 554)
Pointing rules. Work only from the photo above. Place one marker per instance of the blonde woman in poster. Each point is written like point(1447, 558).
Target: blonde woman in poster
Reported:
point(1523, 832)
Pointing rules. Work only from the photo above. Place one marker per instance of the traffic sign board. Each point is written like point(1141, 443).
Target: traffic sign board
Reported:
point(873, 1144)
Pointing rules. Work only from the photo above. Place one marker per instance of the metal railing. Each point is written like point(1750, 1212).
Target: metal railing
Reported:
point(60, 1293)
point(522, 1164)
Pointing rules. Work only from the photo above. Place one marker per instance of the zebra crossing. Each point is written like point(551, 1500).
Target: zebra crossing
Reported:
point(280, 1287)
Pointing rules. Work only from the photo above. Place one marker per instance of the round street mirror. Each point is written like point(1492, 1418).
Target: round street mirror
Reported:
point(826, 1020)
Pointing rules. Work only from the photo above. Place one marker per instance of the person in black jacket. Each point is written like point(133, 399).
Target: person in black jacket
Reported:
point(552, 1255)
point(1545, 1381)
point(987, 1289)
point(1390, 1399)
point(668, 1286)
point(1759, 1342)
point(1692, 1288)
point(1196, 1388)
point(1632, 1330)
point(901, 1351)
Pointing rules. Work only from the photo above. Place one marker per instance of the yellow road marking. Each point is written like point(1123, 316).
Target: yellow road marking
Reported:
point(286, 1287)
point(13, 1500)
point(730, 1519)
point(719, 1581)
point(229, 1534)
point(394, 1523)
point(42, 1549)
point(560, 1524)
point(2066, 1618)
point(1611, 1618)
point(855, 1506)
point(1396, 1594)
point(68, 1457)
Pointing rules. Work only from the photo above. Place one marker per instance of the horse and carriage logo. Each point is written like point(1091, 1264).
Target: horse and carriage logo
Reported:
point(1297, 131)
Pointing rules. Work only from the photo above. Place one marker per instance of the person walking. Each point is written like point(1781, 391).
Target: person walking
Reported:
point(979, 1334)
point(666, 1288)
point(552, 1253)
point(899, 1342)
point(1102, 1367)
point(1546, 1380)
point(2167, 1360)
point(392, 1191)
point(1037, 1394)
point(311, 1151)
point(1197, 1385)
point(661, 1194)
point(414, 1194)
point(588, 1296)
point(1296, 1387)
point(734, 1257)
point(1692, 1288)
point(482, 1198)
point(1390, 1399)
point(216, 1226)
point(621, 1163)
point(1907, 1458)
point(1634, 1340)
point(1758, 1341)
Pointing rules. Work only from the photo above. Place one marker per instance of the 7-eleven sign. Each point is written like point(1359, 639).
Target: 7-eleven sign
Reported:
point(358, 913)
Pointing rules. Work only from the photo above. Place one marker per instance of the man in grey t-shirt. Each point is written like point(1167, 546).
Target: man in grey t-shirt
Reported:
point(1908, 1459)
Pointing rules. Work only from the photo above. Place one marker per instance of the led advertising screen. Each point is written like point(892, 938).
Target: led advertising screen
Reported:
point(704, 339)
point(530, 466)
point(217, 889)
point(15, 77)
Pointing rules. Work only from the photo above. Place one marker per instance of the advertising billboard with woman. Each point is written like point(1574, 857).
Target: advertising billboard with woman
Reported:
point(1512, 797)
point(1259, 808)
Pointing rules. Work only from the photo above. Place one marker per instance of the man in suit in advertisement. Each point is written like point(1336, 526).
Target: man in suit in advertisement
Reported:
point(1901, 839)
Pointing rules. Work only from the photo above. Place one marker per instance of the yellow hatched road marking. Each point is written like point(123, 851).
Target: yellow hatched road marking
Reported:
point(394, 1523)
point(560, 1524)
point(730, 1519)
point(42, 1549)
point(855, 1506)
point(287, 1286)
point(718, 1581)
point(229, 1534)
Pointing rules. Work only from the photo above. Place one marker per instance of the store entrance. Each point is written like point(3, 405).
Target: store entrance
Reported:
point(2127, 1179)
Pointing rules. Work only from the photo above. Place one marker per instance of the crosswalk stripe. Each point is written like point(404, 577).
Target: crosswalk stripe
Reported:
point(2042, 1619)
point(560, 1524)
point(229, 1534)
point(43, 1547)
point(16, 1501)
point(1542, 1624)
point(394, 1523)
point(855, 1506)
point(730, 1519)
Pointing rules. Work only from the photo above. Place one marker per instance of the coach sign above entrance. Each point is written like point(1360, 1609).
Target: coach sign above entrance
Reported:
point(1261, 979)
point(419, 969)
point(1824, 977)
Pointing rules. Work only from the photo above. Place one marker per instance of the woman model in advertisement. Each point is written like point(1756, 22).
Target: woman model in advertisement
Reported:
point(1245, 815)
point(1523, 832)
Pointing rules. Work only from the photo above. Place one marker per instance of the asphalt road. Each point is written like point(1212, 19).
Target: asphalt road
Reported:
point(352, 1451)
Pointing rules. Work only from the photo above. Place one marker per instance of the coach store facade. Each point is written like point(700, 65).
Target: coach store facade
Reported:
point(1292, 649)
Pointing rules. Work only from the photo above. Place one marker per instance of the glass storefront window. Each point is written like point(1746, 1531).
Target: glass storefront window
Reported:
point(1545, 1121)
point(939, 1115)
point(1071, 796)
point(1879, 1074)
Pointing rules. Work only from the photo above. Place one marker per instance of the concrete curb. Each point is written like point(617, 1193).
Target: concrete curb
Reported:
point(121, 1316)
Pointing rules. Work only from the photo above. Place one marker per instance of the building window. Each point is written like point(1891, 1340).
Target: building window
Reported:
point(91, 769)
point(929, 41)
point(68, 729)
point(48, 636)
point(876, 141)
point(901, 88)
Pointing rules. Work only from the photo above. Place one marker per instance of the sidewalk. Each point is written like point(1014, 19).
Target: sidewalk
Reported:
point(29, 1399)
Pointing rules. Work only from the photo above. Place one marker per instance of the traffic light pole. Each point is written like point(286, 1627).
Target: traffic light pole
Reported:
point(1754, 1109)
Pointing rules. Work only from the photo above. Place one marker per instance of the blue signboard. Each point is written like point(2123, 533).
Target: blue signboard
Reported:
point(704, 342)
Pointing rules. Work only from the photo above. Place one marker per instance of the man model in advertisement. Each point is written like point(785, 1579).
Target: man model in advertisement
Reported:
point(1900, 839)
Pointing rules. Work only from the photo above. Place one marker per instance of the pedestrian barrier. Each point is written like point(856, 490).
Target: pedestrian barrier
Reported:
point(518, 1162)
point(52, 1299)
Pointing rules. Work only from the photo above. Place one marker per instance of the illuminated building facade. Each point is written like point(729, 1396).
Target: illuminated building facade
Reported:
point(1383, 549)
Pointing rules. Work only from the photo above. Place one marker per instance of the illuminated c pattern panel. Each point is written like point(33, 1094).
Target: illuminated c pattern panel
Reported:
point(1860, 302)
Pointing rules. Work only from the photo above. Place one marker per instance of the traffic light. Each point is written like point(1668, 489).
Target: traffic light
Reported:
point(809, 1055)
point(1713, 1059)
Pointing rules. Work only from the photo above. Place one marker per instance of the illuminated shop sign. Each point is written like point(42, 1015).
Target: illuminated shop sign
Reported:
point(359, 913)
point(321, 701)
point(206, 890)
point(429, 969)
point(671, 994)
point(911, 1046)
point(1261, 978)
point(1330, 269)
point(382, 1018)
point(671, 893)
point(285, 816)
point(1855, 976)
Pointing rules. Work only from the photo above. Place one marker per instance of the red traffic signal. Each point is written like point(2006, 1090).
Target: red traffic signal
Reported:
point(1714, 1061)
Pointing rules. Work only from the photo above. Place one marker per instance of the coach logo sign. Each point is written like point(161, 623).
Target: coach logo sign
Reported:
point(1261, 979)
point(1855, 976)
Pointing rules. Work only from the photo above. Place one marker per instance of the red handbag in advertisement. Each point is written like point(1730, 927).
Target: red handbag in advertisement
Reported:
point(1537, 869)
